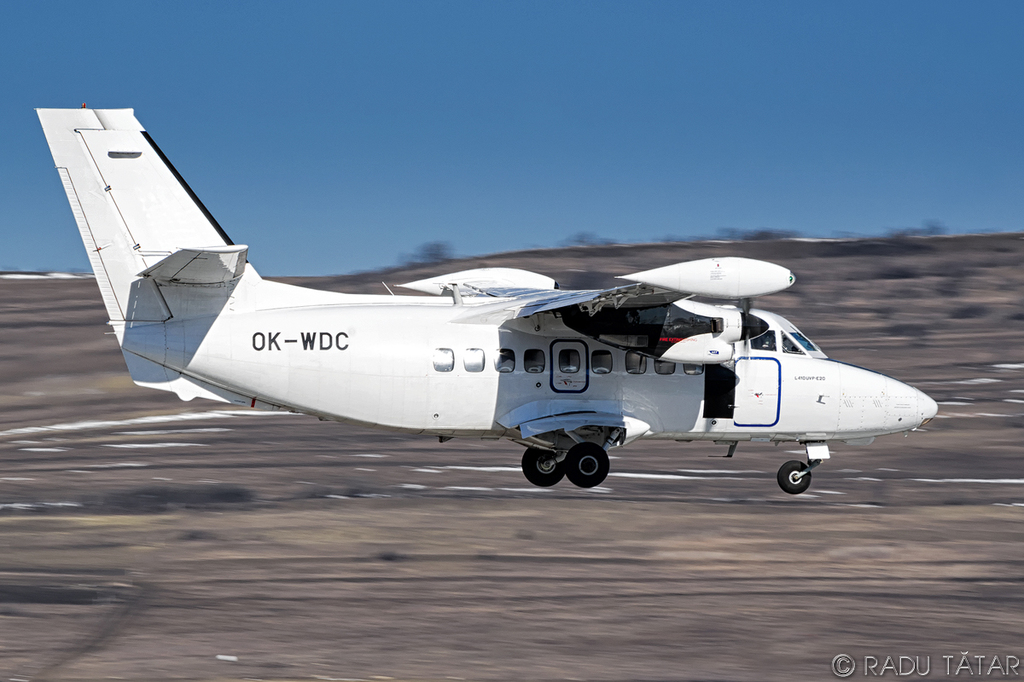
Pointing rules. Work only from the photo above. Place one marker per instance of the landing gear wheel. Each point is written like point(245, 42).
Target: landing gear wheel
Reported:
point(586, 465)
point(788, 477)
point(541, 468)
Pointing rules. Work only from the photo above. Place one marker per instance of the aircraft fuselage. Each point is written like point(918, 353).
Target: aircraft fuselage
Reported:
point(403, 363)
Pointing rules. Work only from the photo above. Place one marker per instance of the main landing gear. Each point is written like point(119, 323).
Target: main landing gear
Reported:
point(584, 464)
point(542, 467)
point(794, 476)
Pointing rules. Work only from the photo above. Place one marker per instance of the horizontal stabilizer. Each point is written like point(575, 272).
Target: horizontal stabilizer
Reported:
point(209, 265)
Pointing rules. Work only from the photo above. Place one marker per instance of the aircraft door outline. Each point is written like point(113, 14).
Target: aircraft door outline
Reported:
point(753, 394)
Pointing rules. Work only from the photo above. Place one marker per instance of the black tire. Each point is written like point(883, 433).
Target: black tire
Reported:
point(541, 469)
point(786, 481)
point(586, 465)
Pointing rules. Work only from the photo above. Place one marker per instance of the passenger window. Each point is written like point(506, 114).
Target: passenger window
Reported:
point(506, 360)
point(764, 342)
point(789, 345)
point(569, 360)
point(664, 367)
point(474, 360)
point(601, 362)
point(693, 370)
point(444, 359)
point(635, 363)
point(533, 361)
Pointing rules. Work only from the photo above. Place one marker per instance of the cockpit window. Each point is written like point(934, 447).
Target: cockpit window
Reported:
point(764, 342)
point(789, 345)
point(805, 342)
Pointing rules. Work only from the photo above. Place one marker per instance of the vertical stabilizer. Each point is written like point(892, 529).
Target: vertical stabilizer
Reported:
point(131, 206)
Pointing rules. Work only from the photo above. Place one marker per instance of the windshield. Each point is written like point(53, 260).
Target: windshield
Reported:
point(805, 342)
point(789, 346)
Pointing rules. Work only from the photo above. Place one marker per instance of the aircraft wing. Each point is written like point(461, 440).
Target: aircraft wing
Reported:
point(511, 303)
point(729, 278)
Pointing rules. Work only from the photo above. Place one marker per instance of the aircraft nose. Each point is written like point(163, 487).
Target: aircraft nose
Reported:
point(926, 407)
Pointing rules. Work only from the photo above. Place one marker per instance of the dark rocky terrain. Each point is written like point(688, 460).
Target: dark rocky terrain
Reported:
point(142, 538)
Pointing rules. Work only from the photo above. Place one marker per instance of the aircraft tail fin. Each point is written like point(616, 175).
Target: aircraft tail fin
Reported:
point(132, 207)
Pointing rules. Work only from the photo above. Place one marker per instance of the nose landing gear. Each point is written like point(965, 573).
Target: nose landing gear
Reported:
point(794, 476)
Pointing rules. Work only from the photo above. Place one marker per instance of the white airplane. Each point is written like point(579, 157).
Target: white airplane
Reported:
point(494, 353)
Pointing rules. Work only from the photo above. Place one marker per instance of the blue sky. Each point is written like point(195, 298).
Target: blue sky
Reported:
point(336, 137)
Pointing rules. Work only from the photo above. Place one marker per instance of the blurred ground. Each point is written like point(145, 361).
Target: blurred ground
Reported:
point(142, 537)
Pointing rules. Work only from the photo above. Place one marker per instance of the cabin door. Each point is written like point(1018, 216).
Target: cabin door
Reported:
point(758, 392)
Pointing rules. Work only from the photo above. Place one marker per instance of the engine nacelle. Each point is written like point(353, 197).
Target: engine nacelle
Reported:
point(729, 325)
point(728, 277)
point(703, 349)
